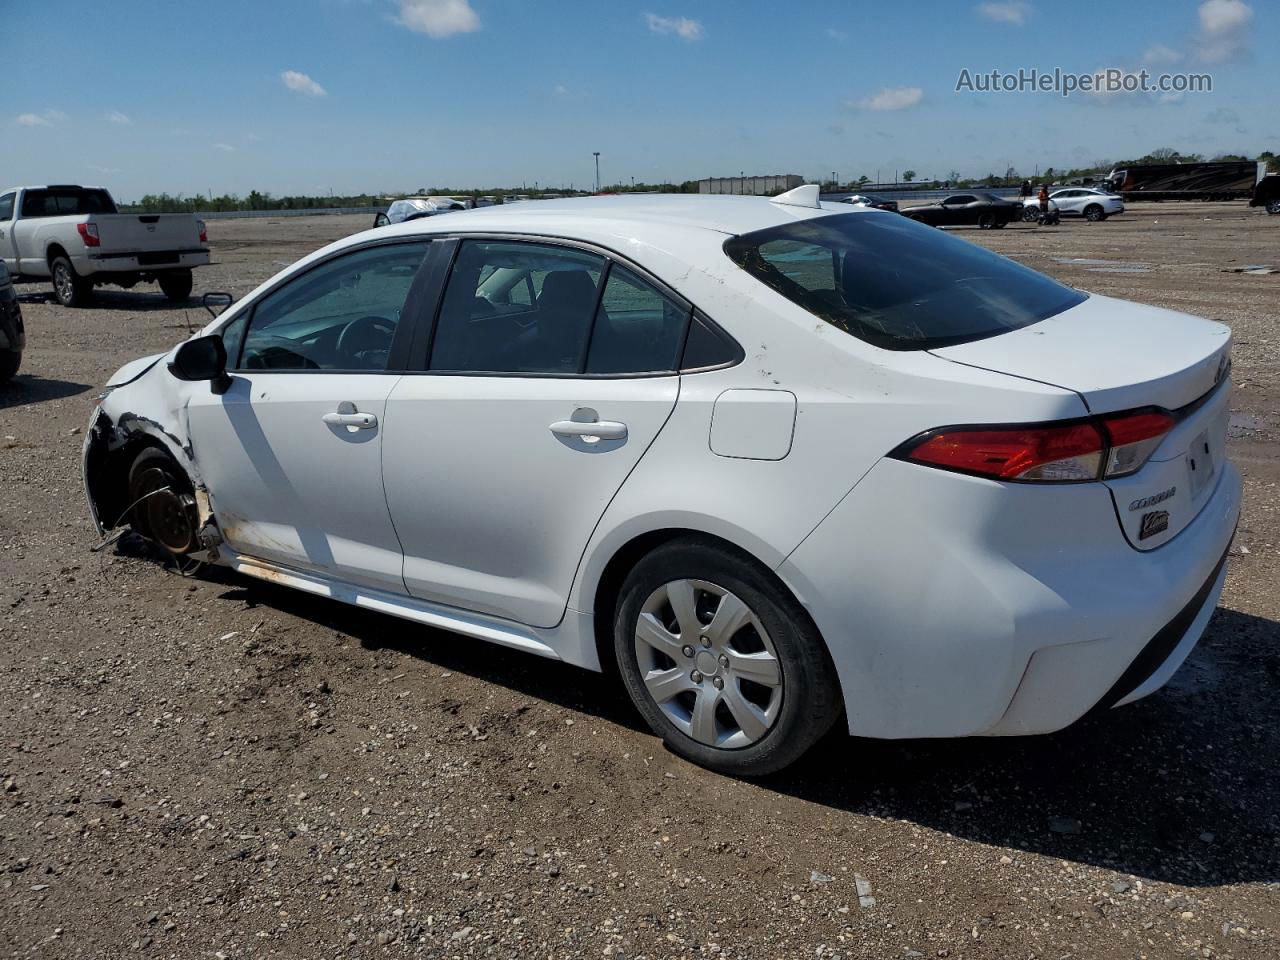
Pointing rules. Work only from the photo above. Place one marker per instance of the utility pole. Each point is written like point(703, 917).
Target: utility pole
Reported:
point(596, 154)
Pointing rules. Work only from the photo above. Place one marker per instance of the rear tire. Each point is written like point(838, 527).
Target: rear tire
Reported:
point(69, 287)
point(175, 284)
point(10, 360)
point(746, 699)
point(1094, 213)
point(986, 221)
point(1273, 206)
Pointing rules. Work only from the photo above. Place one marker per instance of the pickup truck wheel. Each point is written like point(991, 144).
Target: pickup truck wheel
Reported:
point(176, 284)
point(10, 360)
point(69, 287)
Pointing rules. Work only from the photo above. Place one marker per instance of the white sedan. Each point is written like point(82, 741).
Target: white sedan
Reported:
point(1093, 205)
point(780, 464)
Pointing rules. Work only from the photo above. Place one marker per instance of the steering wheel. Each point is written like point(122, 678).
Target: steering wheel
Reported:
point(365, 333)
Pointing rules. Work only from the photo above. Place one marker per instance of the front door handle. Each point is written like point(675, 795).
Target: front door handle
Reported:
point(587, 428)
point(347, 416)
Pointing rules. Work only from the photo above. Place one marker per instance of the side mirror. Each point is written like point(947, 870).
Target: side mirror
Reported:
point(381, 220)
point(204, 358)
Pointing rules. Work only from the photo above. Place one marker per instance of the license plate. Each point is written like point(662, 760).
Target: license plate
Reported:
point(1200, 464)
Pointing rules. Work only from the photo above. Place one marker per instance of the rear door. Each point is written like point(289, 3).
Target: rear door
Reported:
point(550, 371)
point(8, 213)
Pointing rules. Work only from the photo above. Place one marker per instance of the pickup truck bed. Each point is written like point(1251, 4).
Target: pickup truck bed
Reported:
point(73, 236)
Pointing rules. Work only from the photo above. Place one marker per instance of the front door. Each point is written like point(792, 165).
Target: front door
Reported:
point(292, 452)
point(551, 372)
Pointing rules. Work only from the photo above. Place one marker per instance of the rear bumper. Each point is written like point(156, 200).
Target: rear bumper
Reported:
point(956, 606)
point(152, 261)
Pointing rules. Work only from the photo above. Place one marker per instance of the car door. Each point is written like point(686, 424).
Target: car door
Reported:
point(292, 451)
point(1069, 202)
point(549, 373)
point(958, 210)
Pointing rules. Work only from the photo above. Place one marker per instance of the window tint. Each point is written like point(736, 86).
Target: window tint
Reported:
point(531, 312)
point(638, 328)
point(6, 207)
point(898, 284)
point(959, 199)
point(341, 315)
point(707, 347)
point(62, 202)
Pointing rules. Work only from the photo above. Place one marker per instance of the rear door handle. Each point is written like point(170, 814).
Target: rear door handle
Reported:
point(348, 416)
point(604, 429)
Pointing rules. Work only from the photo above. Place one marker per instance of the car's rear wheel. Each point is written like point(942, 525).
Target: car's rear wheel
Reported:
point(69, 287)
point(162, 505)
point(175, 284)
point(721, 660)
point(10, 360)
point(1001, 224)
point(986, 221)
point(1273, 206)
point(1094, 213)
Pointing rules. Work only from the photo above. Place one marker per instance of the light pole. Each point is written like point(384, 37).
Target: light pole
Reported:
point(596, 154)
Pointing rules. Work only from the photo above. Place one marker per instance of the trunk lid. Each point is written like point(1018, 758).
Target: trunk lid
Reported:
point(126, 233)
point(1123, 356)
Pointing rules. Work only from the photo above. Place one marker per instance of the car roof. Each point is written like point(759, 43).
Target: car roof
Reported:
point(628, 216)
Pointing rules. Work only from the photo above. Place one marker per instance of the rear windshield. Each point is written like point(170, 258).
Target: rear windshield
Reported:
point(895, 283)
point(63, 201)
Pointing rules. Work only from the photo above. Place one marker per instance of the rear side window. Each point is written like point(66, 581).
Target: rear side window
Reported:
point(65, 201)
point(6, 207)
point(638, 328)
point(898, 284)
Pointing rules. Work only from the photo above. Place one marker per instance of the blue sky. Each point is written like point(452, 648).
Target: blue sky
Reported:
point(308, 96)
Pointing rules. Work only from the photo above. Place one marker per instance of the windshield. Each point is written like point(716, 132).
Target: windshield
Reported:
point(898, 284)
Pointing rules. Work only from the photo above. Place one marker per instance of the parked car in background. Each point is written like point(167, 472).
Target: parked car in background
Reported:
point(74, 237)
point(1267, 193)
point(965, 500)
point(984, 210)
point(13, 338)
point(414, 208)
point(1093, 205)
point(861, 200)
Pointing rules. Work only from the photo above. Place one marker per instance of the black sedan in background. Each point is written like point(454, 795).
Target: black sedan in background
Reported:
point(981, 209)
point(862, 200)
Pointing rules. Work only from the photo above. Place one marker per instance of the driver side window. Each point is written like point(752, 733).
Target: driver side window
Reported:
point(341, 315)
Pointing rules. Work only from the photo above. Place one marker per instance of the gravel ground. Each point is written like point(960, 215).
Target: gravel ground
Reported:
point(213, 767)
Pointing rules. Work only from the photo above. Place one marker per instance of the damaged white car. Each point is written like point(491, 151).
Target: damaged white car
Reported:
point(779, 463)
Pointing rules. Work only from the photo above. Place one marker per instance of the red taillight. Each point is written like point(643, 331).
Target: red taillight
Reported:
point(1134, 437)
point(1050, 454)
point(204, 232)
point(88, 233)
point(1113, 446)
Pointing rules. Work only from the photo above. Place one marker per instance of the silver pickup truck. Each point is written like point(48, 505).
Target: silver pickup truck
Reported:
point(74, 237)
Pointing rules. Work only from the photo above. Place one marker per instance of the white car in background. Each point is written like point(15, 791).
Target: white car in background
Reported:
point(414, 208)
point(1093, 205)
point(780, 464)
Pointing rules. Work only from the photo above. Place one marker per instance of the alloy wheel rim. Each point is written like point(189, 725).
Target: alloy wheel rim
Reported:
point(62, 281)
point(708, 663)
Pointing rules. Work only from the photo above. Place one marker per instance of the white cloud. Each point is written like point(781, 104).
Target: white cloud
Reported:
point(1160, 54)
point(1224, 30)
point(1223, 115)
point(437, 18)
point(301, 83)
point(1176, 96)
point(560, 90)
point(682, 27)
point(252, 137)
point(115, 116)
point(224, 147)
point(890, 98)
point(45, 118)
point(838, 35)
point(1016, 12)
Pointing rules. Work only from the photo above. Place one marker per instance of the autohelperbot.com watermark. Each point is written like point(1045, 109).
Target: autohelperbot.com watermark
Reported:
point(1110, 80)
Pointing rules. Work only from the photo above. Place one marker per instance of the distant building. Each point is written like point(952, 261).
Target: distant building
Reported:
point(752, 186)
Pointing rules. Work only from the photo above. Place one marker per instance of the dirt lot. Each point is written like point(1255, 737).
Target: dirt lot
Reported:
point(215, 767)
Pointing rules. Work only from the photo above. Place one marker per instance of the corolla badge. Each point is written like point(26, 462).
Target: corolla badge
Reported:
point(1143, 502)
